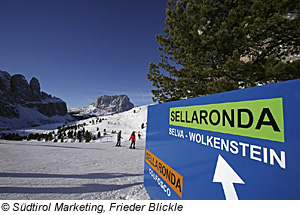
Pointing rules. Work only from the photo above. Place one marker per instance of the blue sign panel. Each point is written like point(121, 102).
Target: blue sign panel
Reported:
point(242, 144)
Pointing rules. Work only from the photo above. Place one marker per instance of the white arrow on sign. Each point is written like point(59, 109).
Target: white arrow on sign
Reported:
point(227, 176)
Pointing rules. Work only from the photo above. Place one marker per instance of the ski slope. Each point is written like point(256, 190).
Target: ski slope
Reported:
point(76, 170)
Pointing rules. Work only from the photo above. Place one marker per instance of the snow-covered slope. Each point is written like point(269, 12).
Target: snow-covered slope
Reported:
point(73, 169)
point(127, 122)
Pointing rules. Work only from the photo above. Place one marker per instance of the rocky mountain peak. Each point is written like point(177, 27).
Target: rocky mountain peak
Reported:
point(116, 103)
point(20, 87)
point(104, 105)
point(35, 86)
point(17, 95)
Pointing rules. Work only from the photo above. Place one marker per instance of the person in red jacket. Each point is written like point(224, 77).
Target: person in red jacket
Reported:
point(132, 138)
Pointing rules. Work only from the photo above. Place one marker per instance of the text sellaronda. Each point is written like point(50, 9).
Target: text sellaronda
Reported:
point(254, 152)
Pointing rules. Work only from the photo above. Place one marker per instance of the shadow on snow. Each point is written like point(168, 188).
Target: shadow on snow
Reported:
point(85, 176)
point(86, 188)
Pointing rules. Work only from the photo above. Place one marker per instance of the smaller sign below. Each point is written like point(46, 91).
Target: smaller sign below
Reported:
point(173, 179)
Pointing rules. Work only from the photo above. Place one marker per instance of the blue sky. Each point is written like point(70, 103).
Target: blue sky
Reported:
point(82, 49)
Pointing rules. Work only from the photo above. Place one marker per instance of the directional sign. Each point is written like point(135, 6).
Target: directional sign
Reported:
point(243, 144)
point(227, 176)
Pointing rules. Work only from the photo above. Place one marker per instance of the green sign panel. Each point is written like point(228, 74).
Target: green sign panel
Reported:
point(256, 118)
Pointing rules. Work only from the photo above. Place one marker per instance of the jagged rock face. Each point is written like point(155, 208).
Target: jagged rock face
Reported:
point(15, 90)
point(116, 103)
point(4, 83)
point(7, 110)
point(20, 88)
point(35, 87)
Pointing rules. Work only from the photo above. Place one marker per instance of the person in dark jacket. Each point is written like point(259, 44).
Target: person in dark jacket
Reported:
point(119, 137)
point(132, 138)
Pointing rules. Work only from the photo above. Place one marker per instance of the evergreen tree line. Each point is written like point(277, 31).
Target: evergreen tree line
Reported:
point(76, 131)
point(81, 135)
point(36, 136)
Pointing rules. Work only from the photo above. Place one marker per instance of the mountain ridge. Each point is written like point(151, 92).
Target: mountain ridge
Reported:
point(24, 104)
point(103, 105)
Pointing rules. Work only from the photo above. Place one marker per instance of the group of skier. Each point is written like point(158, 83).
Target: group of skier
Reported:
point(132, 139)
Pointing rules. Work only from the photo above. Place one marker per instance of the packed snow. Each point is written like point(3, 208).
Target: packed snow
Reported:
point(77, 170)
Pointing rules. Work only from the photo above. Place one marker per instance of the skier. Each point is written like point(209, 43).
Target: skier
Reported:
point(139, 135)
point(119, 139)
point(132, 138)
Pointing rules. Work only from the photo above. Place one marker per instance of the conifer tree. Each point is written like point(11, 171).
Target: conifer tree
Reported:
point(214, 46)
point(69, 134)
point(88, 136)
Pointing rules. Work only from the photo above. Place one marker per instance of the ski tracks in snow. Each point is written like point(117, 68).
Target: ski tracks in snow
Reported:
point(48, 170)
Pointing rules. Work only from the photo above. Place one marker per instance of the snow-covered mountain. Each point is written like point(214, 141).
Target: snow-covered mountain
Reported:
point(104, 105)
point(23, 104)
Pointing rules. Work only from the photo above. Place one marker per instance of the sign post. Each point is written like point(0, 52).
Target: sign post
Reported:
point(242, 144)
